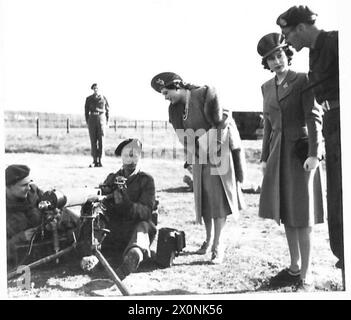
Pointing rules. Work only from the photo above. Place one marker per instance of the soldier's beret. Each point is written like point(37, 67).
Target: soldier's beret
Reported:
point(135, 143)
point(93, 86)
point(164, 79)
point(295, 15)
point(15, 173)
point(270, 43)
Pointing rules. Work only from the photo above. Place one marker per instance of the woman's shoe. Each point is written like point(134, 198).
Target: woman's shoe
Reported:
point(217, 256)
point(284, 278)
point(203, 249)
point(303, 286)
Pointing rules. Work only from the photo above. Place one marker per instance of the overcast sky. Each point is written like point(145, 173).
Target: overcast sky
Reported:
point(54, 50)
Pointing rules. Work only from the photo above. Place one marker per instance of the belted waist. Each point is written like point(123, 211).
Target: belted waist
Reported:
point(330, 104)
point(96, 113)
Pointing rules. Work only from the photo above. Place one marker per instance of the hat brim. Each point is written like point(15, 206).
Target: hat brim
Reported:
point(274, 49)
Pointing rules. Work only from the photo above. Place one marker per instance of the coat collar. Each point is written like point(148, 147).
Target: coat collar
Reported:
point(284, 89)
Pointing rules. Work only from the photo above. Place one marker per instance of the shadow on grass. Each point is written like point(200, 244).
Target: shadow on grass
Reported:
point(166, 293)
point(190, 253)
point(195, 263)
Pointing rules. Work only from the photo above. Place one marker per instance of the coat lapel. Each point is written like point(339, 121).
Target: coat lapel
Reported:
point(285, 87)
point(270, 95)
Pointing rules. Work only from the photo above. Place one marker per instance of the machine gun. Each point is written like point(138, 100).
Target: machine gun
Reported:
point(119, 183)
point(91, 231)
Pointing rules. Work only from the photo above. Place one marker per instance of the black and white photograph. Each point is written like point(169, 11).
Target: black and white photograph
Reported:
point(173, 149)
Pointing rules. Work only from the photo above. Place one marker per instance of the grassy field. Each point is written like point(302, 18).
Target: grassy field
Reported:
point(256, 249)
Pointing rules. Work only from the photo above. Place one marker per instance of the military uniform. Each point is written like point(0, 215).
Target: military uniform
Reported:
point(130, 221)
point(21, 214)
point(96, 116)
point(324, 80)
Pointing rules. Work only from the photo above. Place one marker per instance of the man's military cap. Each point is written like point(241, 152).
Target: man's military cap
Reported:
point(133, 143)
point(270, 43)
point(295, 15)
point(164, 79)
point(15, 173)
point(93, 86)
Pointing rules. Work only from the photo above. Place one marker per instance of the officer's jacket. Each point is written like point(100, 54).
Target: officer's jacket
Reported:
point(97, 104)
point(138, 202)
point(324, 67)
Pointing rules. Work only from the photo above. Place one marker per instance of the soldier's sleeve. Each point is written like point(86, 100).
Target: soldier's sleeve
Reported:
point(107, 110)
point(107, 189)
point(142, 209)
point(313, 118)
point(86, 109)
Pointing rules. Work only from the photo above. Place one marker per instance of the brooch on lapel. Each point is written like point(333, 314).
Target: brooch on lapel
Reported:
point(285, 85)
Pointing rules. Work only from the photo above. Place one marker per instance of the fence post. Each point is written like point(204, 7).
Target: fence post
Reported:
point(136, 124)
point(152, 125)
point(37, 126)
point(115, 125)
point(68, 125)
point(166, 123)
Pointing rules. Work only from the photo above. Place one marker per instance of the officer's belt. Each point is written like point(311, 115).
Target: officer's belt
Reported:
point(330, 104)
point(96, 113)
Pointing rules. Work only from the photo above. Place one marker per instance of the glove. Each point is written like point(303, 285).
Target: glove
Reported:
point(238, 165)
point(311, 163)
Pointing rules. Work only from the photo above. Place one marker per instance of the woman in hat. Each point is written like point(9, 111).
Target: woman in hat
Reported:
point(291, 149)
point(195, 112)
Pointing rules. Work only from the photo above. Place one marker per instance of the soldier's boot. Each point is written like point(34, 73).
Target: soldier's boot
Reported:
point(130, 263)
point(98, 162)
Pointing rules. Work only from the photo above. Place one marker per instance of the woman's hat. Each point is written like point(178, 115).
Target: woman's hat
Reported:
point(270, 43)
point(164, 79)
point(133, 143)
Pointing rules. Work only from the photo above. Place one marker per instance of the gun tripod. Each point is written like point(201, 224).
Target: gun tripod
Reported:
point(88, 242)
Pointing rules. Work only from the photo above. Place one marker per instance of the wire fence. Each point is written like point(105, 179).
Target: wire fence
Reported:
point(249, 124)
point(44, 121)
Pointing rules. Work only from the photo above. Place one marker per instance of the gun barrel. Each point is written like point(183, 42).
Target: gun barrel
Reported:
point(68, 197)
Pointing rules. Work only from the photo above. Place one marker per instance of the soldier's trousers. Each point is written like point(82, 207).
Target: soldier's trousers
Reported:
point(331, 132)
point(96, 125)
point(123, 239)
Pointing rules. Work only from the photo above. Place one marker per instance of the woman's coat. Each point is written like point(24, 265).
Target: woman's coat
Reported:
point(289, 194)
point(214, 120)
